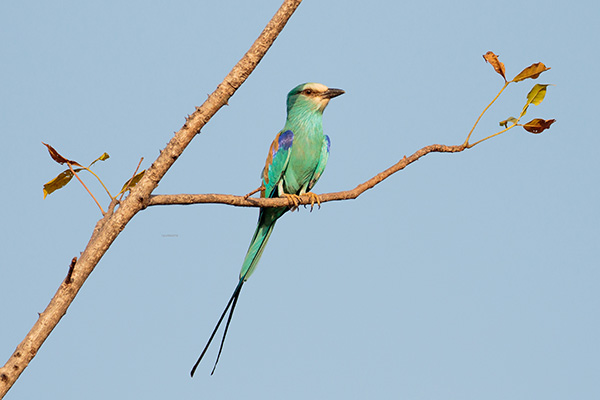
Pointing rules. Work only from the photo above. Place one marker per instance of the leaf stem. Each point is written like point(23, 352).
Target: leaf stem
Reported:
point(466, 143)
point(516, 123)
point(99, 180)
point(86, 188)
point(491, 136)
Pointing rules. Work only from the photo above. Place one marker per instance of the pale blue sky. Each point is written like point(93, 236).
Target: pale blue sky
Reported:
point(465, 276)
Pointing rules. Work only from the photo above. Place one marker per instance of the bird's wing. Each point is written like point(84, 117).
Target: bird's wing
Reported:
point(277, 161)
point(322, 163)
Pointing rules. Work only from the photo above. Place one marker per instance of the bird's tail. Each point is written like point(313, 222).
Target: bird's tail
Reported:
point(232, 302)
point(266, 223)
point(257, 244)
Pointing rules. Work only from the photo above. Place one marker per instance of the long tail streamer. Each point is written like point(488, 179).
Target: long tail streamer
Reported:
point(232, 302)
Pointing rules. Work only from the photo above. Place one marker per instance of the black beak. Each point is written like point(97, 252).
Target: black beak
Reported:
point(331, 93)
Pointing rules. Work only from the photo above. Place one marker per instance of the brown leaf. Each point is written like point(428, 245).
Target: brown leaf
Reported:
point(538, 125)
point(493, 60)
point(533, 71)
point(58, 158)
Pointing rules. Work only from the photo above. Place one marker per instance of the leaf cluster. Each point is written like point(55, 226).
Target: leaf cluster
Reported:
point(535, 96)
point(65, 176)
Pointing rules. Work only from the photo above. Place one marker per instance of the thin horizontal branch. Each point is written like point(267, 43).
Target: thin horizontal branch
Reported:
point(242, 201)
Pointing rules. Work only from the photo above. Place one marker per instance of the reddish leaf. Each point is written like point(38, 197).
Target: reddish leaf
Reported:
point(493, 60)
point(58, 158)
point(533, 71)
point(538, 125)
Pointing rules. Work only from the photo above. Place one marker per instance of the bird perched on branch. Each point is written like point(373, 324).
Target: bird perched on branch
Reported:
point(295, 162)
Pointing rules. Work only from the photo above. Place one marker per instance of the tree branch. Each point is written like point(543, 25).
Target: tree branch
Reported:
point(242, 201)
point(109, 227)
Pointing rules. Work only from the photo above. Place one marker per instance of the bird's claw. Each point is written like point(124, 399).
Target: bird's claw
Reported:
point(294, 199)
point(313, 199)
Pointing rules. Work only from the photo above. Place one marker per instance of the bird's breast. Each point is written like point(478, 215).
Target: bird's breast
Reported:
point(304, 158)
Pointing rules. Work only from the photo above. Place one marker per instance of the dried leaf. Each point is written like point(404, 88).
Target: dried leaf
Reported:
point(533, 71)
point(132, 182)
point(61, 180)
point(58, 158)
point(103, 157)
point(509, 120)
point(493, 60)
point(538, 125)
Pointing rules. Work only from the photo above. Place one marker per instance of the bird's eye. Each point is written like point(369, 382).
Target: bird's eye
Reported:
point(308, 91)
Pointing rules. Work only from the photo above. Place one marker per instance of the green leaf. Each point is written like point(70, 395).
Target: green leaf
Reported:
point(132, 182)
point(103, 157)
point(535, 96)
point(538, 125)
point(61, 180)
point(531, 72)
point(509, 120)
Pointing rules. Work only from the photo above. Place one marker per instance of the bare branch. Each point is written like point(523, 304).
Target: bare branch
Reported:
point(109, 227)
point(244, 201)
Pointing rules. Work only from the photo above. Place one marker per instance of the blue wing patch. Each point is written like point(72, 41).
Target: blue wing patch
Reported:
point(285, 140)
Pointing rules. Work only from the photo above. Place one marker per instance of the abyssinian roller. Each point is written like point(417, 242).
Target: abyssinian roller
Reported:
point(296, 159)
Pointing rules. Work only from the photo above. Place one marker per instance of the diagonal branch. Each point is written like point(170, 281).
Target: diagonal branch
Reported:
point(242, 201)
point(109, 227)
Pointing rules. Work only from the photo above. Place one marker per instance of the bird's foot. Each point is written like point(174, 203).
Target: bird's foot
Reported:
point(313, 199)
point(294, 199)
point(262, 187)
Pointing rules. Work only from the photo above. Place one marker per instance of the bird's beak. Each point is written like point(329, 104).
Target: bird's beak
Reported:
point(331, 93)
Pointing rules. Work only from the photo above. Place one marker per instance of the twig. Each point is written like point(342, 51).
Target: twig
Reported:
point(131, 180)
point(258, 189)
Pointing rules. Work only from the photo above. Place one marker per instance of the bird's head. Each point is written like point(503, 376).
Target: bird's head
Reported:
point(311, 97)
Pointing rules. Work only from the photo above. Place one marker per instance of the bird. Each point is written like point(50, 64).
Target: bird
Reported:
point(296, 160)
